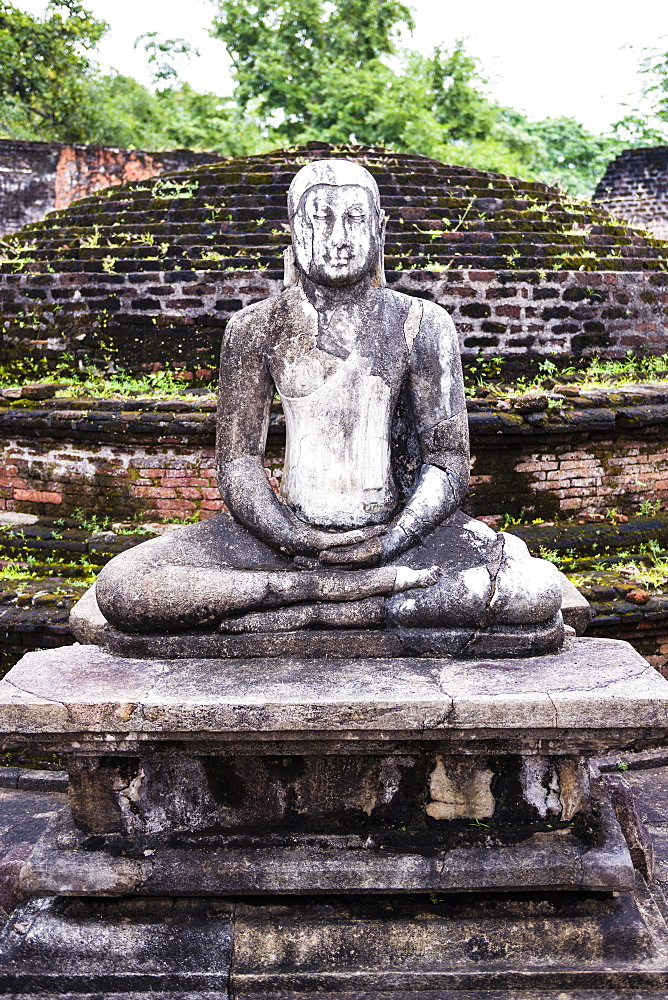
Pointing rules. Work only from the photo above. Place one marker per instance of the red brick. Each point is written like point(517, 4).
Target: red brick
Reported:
point(154, 492)
point(184, 505)
point(36, 496)
point(213, 505)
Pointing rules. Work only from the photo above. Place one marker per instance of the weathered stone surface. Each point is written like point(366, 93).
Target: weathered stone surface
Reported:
point(112, 947)
point(594, 689)
point(635, 833)
point(23, 818)
point(575, 609)
point(649, 786)
point(594, 693)
point(67, 862)
point(575, 948)
point(415, 947)
point(91, 628)
point(395, 800)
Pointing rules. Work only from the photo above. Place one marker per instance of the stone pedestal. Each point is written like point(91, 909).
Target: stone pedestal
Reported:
point(350, 828)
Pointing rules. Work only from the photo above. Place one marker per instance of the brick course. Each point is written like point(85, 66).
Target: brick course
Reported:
point(133, 459)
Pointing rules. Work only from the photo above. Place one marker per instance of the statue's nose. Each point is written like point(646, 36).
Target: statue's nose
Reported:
point(339, 237)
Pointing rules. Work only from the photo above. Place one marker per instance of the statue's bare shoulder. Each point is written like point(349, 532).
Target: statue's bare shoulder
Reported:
point(252, 329)
point(425, 321)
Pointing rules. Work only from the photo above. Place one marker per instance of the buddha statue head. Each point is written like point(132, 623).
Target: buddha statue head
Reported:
point(338, 226)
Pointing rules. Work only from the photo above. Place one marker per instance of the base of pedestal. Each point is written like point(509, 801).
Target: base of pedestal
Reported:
point(68, 862)
point(503, 947)
point(200, 757)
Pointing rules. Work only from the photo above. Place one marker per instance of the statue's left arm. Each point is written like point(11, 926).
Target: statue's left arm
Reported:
point(436, 387)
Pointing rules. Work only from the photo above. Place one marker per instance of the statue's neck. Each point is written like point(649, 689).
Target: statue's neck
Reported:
point(325, 298)
point(343, 314)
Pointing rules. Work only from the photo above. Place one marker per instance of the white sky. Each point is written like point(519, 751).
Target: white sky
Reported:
point(576, 57)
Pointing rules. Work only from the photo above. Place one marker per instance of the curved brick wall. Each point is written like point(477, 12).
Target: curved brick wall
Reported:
point(149, 273)
point(147, 459)
point(635, 189)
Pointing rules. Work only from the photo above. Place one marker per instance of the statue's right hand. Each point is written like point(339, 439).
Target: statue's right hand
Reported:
point(307, 540)
point(313, 540)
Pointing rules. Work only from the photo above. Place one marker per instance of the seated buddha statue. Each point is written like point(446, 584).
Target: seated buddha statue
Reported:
point(366, 530)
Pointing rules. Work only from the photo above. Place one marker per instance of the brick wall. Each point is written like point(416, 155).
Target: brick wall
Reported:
point(37, 177)
point(148, 273)
point(139, 458)
point(568, 313)
point(635, 189)
point(567, 479)
point(177, 318)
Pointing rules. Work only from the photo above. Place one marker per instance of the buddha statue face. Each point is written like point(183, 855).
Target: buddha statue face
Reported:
point(336, 234)
point(337, 223)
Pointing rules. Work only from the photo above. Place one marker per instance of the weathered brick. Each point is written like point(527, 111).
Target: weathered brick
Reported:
point(37, 496)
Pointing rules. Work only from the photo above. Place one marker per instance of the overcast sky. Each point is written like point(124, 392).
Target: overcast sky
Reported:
point(577, 57)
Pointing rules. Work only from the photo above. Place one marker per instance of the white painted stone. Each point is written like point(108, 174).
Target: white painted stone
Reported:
point(460, 791)
point(338, 470)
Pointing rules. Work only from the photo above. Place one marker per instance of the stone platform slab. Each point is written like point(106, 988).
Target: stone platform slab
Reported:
point(593, 696)
point(360, 948)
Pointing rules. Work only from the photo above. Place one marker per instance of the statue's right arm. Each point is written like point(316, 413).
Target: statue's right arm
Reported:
point(245, 394)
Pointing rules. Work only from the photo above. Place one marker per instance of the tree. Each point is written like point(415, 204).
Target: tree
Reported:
point(304, 69)
point(44, 66)
point(291, 57)
point(647, 123)
point(570, 155)
point(51, 88)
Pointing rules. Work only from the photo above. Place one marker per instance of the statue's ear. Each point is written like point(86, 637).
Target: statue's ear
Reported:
point(290, 276)
point(378, 279)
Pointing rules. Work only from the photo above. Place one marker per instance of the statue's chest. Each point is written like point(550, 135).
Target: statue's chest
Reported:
point(338, 358)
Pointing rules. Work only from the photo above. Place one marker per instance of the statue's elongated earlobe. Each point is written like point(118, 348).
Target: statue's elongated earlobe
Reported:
point(378, 279)
point(290, 276)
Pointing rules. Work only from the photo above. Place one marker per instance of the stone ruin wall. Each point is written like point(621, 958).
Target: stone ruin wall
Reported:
point(155, 460)
point(176, 318)
point(635, 189)
point(150, 275)
point(37, 177)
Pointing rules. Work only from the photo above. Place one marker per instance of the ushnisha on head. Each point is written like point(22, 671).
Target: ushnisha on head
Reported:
point(338, 226)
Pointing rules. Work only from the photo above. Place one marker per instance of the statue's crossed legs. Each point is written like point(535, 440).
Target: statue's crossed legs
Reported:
point(216, 573)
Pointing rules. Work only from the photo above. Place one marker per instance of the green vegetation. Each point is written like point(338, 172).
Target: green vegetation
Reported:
point(486, 376)
point(317, 70)
point(80, 570)
point(650, 567)
point(51, 88)
point(334, 70)
point(45, 65)
point(87, 380)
